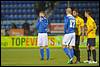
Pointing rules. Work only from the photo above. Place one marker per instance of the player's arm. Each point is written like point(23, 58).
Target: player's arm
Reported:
point(85, 29)
point(82, 27)
point(37, 24)
point(65, 24)
point(45, 23)
point(82, 33)
point(91, 28)
point(82, 30)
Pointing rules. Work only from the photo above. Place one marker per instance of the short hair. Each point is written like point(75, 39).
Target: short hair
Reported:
point(43, 12)
point(69, 10)
point(88, 11)
point(75, 10)
point(14, 25)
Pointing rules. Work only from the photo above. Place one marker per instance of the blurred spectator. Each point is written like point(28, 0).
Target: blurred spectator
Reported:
point(52, 4)
point(32, 29)
point(26, 27)
point(7, 31)
point(14, 26)
point(27, 32)
point(3, 32)
point(42, 5)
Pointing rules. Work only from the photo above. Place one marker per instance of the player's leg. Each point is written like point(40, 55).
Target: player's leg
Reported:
point(71, 45)
point(76, 49)
point(88, 52)
point(65, 43)
point(75, 53)
point(48, 52)
point(94, 54)
point(42, 52)
point(40, 44)
point(93, 50)
point(71, 51)
point(45, 42)
point(66, 50)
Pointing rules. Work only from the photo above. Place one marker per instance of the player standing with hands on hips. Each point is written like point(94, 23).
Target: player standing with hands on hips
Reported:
point(42, 26)
point(69, 37)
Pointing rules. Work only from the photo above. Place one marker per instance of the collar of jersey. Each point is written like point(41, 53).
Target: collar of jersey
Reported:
point(69, 15)
point(43, 17)
point(89, 17)
point(77, 16)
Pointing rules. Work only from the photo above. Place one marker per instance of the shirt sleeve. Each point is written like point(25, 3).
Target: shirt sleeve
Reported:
point(92, 25)
point(45, 23)
point(95, 27)
point(37, 24)
point(65, 24)
point(82, 22)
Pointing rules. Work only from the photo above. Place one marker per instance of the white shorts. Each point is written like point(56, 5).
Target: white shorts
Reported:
point(42, 39)
point(69, 39)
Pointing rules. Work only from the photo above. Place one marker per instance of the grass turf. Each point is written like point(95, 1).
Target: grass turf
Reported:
point(31, 57)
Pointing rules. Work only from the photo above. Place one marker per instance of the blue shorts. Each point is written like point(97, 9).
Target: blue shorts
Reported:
point(91, 41)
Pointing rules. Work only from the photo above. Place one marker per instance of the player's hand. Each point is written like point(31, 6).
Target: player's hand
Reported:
point(86, 33)
point(76, 30)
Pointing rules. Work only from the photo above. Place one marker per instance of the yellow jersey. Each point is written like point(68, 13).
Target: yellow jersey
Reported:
point(91, 28)
point(79, 24)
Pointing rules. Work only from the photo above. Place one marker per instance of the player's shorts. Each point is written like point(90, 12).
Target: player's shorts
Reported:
point(69, 39)
point(91, 41)
point(42, 39)
point(77, 42)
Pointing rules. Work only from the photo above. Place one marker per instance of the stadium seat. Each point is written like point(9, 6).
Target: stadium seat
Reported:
point(19, 8)
point(26, 10)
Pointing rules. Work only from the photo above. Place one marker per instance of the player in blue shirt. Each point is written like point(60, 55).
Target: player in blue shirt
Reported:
point(42, 26)
point(69, 37)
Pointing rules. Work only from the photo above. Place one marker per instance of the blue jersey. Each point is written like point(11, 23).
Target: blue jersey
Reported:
point(69, 24)
point(42, 25)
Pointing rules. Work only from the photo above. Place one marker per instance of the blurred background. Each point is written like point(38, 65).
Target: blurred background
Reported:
point(19, 17)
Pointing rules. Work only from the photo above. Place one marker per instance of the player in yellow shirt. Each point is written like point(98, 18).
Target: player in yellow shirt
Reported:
point(91, 35)
point(79, 32)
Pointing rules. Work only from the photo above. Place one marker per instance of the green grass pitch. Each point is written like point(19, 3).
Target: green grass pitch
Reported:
point(31, 57)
